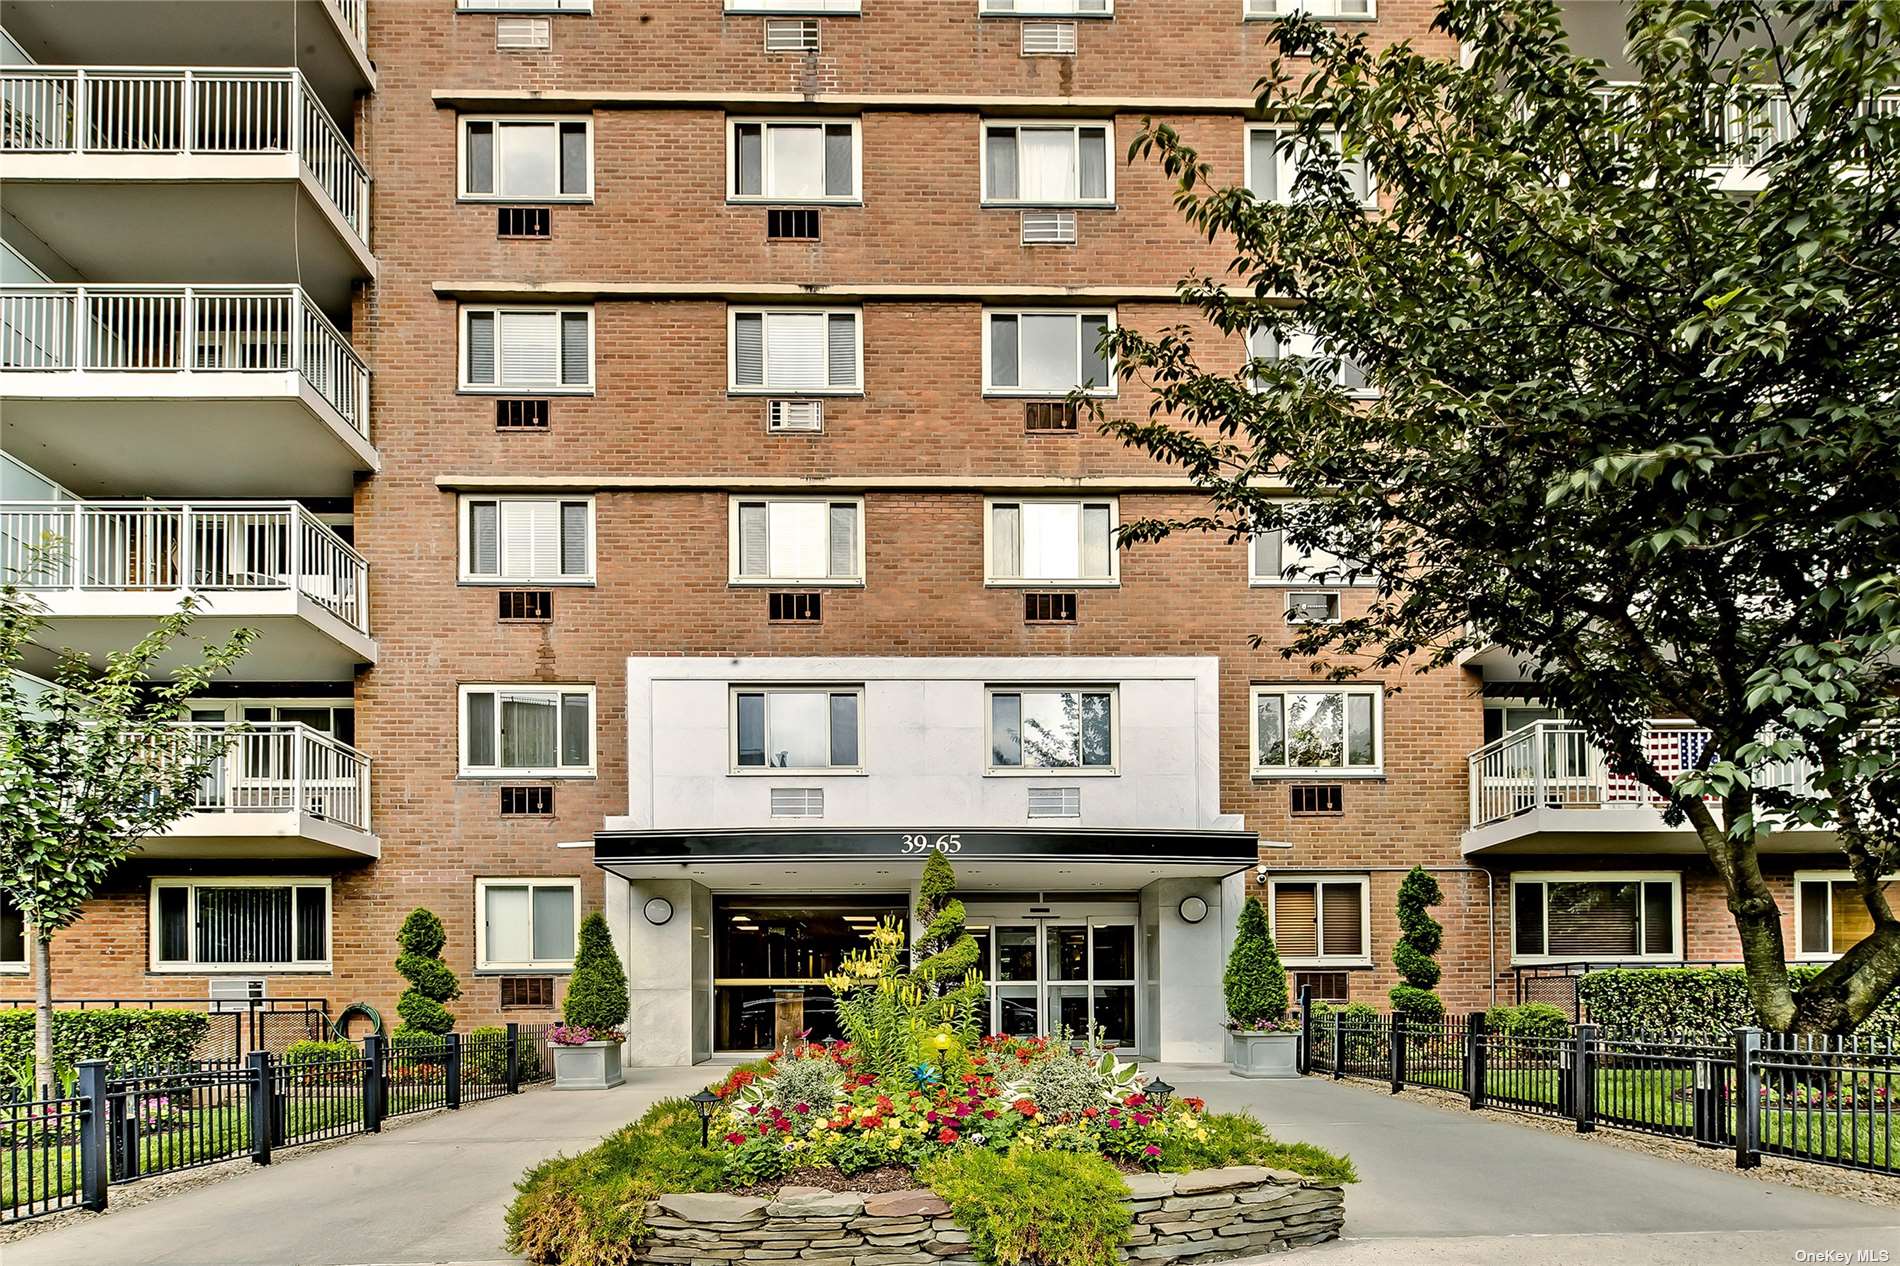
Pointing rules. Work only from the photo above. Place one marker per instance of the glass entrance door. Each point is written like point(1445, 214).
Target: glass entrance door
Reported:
point(1063, 978)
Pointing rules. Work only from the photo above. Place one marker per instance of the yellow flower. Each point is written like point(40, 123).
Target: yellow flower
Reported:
point(895, 1142)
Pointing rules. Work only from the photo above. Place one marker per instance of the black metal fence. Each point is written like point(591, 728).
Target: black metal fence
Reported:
point(39, 1156)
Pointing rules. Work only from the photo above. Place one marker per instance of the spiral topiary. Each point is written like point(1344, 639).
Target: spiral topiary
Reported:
point(946, 954)
point(431, 983)
point(1420, 935)
point(1254, 984)
point(597, 991)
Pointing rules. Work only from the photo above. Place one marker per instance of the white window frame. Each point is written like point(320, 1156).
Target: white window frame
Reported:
point(1309, 772)
point(499, 121)
point(1361, 959)
point(468, 576)
point(1285, 197)
point(483, 963)
point(767, 312)
point(1820, 877)
point(1268, 10)
point(768, 688)
point(499, 388)
point(1305, 581)
point(1107, 391)
point(1111, 770)
point(1042, 9)
point(556, 689)
point(1320, 348)
point(1111, 581)
point(571, 7)
point(193, 966)
point(802, 582)
point(854, 198)
point(1073, 127)
point(1671, 877)
point(795, 8)
point(19, 966)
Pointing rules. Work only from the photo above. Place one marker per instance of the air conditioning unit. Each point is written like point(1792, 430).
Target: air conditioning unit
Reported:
point(235, 993)
point(1055, 802)
point(1317, 606)
point(1048, 39)
point(798, 802)
point(524, 35)
point(794, 415)
point(1048, 228)
point(791, 35)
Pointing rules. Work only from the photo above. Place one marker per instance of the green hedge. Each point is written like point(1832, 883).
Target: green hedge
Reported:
point(1695, 1002)
point(128, 1038)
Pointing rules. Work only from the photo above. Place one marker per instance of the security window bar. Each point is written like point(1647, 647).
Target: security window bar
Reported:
point(527, 993)
point(791, 35)
point(808, 729)
point(801, 540)
point(527, 802)
point(1050, 417)
point(795, 608)
point(1049, 608)
point(521, 415)
point(793, 160)
point(528, 349)
point(532, 159)
point(1311, 800)
point(1052, 729)
point(1303, 730)
point(1274, 158)
point(1595, 916)
point(542, 539)
point(1319, 919)
point(527, 730)
point(526, 606)
point(796, 351)
point(1038, 353)
point(1048, 540)
point(236, 923)
point(791, 224)
point(1048, 164)
point(526, 922)
point(524, 222)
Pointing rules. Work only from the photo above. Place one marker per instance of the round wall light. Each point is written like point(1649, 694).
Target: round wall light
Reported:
point(1193, 909)
point(659, 911)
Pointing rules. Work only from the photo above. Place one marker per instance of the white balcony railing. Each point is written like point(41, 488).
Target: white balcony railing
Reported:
point(1747, 127)
point(185, 330)
point(142, 110)
point(204, 547)
point(1553, 765)
point(280, 767)
point(351, 11)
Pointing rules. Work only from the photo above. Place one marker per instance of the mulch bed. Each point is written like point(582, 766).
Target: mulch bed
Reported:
point(887, 1178)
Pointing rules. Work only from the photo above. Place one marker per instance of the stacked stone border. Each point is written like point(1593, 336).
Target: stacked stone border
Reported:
point(1203, 1216)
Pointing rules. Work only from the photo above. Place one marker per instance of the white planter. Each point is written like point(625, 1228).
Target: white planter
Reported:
point(1266, 1054)
point(590, 1066)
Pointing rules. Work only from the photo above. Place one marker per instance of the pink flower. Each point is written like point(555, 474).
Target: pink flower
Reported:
point(1142, 1118)
point(801, 1108)
point(1151, 1150)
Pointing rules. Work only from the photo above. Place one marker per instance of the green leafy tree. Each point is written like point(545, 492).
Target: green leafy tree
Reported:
point(431, 983)
point(1631, 428)
point(597, 991)
point(90, 766)
point(945, 955)
point(1254, 984)
point(1420, 935)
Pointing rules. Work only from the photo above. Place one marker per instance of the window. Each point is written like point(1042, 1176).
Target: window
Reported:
point(542, 730)
point(1034, 542)
point(1320, 920)
point(1301, 730)
point(795, 351)
point(526, 923)
point(545, 539)
point(792, 6)
point(810, 729)
point(1048, 8)
point(1315, 355)
point(1052, 729)
point(525, 6)
point(1046, 353)
point(1272, 559)
point(1595, 916)
point(528, 159)
point(250, 924)
point(12, 936)
point(1048, 164)
point(1829, 916)
point(1273, 166)
point(528, 349)
point(1318, 8)
point(804, 540)
point(793, 160)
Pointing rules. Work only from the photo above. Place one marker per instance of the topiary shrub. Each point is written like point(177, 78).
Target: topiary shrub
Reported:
point(1420, 935)
point(431, 983)
point(1254, 983)
point(945, 956)
point(597, 991)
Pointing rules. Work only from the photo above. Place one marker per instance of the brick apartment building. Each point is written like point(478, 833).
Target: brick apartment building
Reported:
point(668, 509)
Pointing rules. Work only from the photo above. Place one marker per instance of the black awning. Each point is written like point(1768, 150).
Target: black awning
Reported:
point(621, 849)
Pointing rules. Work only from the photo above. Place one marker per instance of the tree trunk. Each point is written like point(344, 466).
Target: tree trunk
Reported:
point(1752, 904)
point(43, 1071)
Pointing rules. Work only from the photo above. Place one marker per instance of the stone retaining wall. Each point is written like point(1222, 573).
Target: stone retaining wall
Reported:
point(1203, 1216)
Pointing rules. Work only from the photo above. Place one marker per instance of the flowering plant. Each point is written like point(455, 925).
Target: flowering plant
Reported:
point(1282, 1025)
point(581, 1035)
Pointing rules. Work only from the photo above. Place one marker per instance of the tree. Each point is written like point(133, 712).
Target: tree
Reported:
point(1420, 935)
point(597, 991)
point(945, 954)
point(90, 766)
point(1254, 984)
point(1636, 430)
point(431, 983)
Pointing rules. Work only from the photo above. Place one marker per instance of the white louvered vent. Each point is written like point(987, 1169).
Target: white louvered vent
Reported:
point(791, 35)
point(798, 802)
point(1055, 802)
point(1048, 39)
point(794, 415)
point(1048, 228)
point(524, 34)
point(234, 993)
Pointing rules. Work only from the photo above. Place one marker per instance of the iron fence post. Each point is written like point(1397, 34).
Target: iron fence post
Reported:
point(1583, 1098)
point(1339, 1049)
point(1747, 1098)
point(1398, 1052)
point(263, 1092)
point(1475, 1071)
point(373, 1083)
point(513, 1030)
point(452, 1069)
point(1306, 1030)
point(1705, 1110)
point(93, 1174)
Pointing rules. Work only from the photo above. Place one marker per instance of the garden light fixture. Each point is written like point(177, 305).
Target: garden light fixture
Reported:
point(703, 1102)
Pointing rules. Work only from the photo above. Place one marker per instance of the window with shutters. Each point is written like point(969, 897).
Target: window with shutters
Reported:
point(1302, 730)
point(802, 540)
point(252, 924)
point(528, 349)
point(1310, 354)
point(1274, 559)
point(548, 540)
point(1073, 728)
point(1596, 916)
point(813, 729)
point(1048, 164)
point(1049, 539)
point(517, 158)
point(1320, 920)
point(1830, 917)
point(792, 160)
point(1046, 353)
point(526, 924)
point(545, 731)
point(1272, 167)
point(795, 351)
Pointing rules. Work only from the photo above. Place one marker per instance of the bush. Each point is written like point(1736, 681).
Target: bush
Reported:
point(1696, 1003)
point(1067, 1085)
point(597, 991)
point(804, 1090)
point(1254, 984)
point(298, 1054)
point(431, 983)
point(1055, 1208)
point(1420, 935)
point(127, 1039)
point(1234, 1138)
point(1531, 1019)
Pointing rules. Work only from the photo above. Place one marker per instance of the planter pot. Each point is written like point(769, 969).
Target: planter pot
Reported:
point(590, 1066)
point(1266, 1054)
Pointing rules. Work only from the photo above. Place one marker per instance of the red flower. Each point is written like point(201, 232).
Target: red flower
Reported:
point(1027, 1107)
point(1091, 1113)
point(1136, 1100)
point(989, 1114)
point(1142, 1118)
point(753, 1110)
point(801, 1108)
point(947, 1135)
point(1194, 1104)
point(735, 1138)
point(871, 1122)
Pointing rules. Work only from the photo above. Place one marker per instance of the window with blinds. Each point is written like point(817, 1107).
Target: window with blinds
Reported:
point(792, 160)
point(796, 351)
point(1274, 159)
point(1046, 353)
point(1048, 164)
point(527, 159)
point(1033, 542)
point(528, 349)
point(212, 923)
point(543, 539)
point(1319, 919)
point(540, 730)
point(804, 540)
point(1830, 916)
point(526, 923)
point(803, 728)
point(1598, 917)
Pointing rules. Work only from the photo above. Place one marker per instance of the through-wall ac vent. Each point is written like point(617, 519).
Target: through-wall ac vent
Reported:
point(791, 224)
point(1048, 39)
point(235, 993)
point(1048, 228)
point(1055, 802)
point(524, 35)
point(791, 35)
point(798, 802)
point(523, 222)
point(794, 415)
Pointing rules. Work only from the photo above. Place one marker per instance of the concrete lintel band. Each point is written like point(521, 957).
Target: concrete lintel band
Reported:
point(503, 99)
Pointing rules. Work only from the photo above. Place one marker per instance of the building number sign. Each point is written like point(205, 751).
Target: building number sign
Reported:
point(948, 845)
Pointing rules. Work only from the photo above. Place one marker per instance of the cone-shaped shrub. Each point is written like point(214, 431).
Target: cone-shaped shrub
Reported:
point(597, 991)
point(1255, 982)
point(946, 954)
point(1420, 935)
point(431, 983)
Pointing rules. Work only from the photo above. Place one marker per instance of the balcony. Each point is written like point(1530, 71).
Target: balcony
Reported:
point(182, 390)
point(1546, 789)
point(279, 790)
point(144, 174)
point(104, 571)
